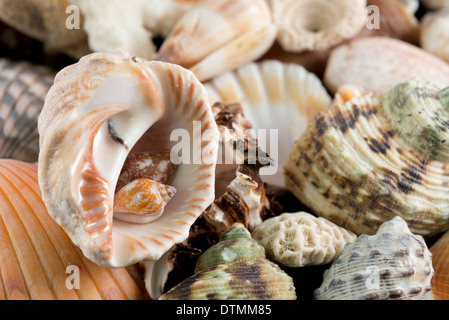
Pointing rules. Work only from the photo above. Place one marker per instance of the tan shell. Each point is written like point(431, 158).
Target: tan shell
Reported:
point(300, 239)
point(374, 157)
point(378, 64)
point(23, 88)
point(440, 261)
point(245, 32)
point(38, 260)
point(435, 4)
point(100, 110)
point(411, 6)
point(393, 264)
point(316, 24)
point(435, 33)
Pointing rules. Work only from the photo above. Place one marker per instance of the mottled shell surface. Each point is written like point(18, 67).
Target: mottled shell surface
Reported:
point(435, 33)
point(440, 261)
point(102, 109)
point(316, 24)
point(23, 88)
point(280, 98)
point(233, 269)
point(377, 156)
point(378, 64)
point(394, 264)
point(38, 261)
point(245, 32)
point(300, 239)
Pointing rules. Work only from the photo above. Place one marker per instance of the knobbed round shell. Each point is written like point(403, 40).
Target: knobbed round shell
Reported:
point(38, 260)
point(316, 24)
point(280, 98)
point(375, 157)
point(435, 33)
point(245, 32)
point(440, 261)
point(378, 64)
point(23, 87)
point(394, 264)
point(300, 239)
point(100, 110)
point(235, 269)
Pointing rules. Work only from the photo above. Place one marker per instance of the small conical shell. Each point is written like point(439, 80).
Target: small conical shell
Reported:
point(300, 239)
point(23, 88)
point(378, 64)
point(394, 264)
point(440, 261)
point(225, 272)
point(38, 260)
point(435, 33)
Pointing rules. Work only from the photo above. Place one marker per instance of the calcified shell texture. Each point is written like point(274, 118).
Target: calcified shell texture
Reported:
point(37, 258)
point(300, 239)
point(374, 157)
point(235, 268)
point(440, 260)
point(393, 264)
point(23, 88)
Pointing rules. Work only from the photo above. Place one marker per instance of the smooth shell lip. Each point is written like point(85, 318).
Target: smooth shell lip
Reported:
point(435, 33)
point(280, 99)
point(378, 64)
point(316, 24)
point(219, 35)
point(23, 87)
point(96, 112)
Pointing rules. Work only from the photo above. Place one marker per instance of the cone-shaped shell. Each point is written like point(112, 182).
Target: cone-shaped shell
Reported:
point(378, 64)
point(97, 112)
point(38, 260)
point(219, 35)
point(374, 157)
point(300, 239)
point(394, 264)
point(316, 24)
point(23, 88)
point(440, 261)
point(235, 268)
point(280, 98)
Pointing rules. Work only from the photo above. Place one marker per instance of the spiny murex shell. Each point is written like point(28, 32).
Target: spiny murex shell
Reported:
point(300, 239)
point(374, 157)
point(23, 88)
point(393, 264)
point(102, 109)
point(235, 268)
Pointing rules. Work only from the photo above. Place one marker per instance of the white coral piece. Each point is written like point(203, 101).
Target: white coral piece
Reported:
point(301, 239)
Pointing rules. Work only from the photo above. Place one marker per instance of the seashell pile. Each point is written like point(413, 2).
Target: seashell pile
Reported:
point(224, 149)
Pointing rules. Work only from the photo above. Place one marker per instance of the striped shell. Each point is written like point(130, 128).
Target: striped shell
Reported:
point(440, 261)
point(38, 260)
point(300, 239)
point(100, 110)
point(219, 35)
point(281, 98)
point(23, 88)
point(378, 64)
point(377, 156)
point(316, 24)
point(234, 269)
point(394, 264)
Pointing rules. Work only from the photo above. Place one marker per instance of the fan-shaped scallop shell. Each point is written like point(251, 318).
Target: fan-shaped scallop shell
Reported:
point(245, 32)
point(378, 64)
point(100, 110)
point(23, 87)
point(235, 268)
point(377, 156)
point(281, 98)
point(317, 24)
point(38, 259)
point(394, 264)
point(300, 239)
point(435, 33)
point(440, 261)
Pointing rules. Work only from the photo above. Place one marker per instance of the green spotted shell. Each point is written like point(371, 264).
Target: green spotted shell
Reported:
point(235, 268)
point(375, 157)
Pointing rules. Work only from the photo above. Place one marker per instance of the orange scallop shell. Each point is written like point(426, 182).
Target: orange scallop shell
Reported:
point(35, 252)
point(440, 261)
